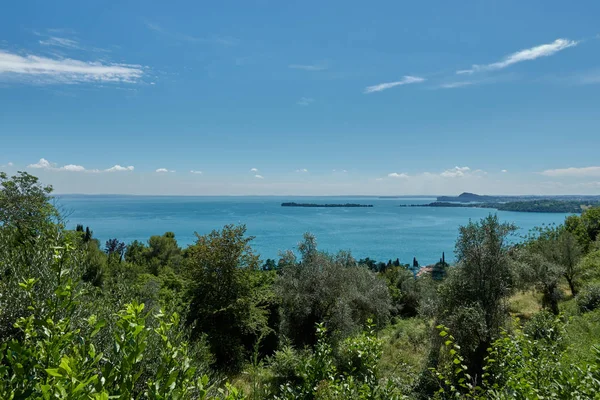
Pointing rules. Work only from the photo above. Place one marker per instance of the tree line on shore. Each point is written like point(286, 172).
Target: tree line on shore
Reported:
point(84, 320)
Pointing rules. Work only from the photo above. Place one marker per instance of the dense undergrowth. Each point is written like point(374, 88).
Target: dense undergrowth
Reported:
point(79, 320)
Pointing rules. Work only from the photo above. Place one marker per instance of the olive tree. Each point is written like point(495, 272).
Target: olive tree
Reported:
point(329, 289)
point(473, 297)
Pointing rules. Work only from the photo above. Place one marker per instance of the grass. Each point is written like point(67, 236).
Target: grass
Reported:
point(525, 304)
point(405, 349)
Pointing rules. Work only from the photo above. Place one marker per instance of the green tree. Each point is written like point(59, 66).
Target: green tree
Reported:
point(552, 253)
point(585, 227)
point(163, 251)
point(473, 297)
point(334, 290)
point(25, 203)
point(228, 299)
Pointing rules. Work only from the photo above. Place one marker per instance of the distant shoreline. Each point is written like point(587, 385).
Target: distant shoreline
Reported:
point(536, 206)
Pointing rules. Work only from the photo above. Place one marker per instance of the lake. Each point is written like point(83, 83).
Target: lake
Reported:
point(385, 231)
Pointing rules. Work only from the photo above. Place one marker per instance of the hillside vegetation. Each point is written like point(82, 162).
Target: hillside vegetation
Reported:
point(80, 319)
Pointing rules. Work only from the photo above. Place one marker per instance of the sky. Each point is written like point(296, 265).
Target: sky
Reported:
point(302, 98)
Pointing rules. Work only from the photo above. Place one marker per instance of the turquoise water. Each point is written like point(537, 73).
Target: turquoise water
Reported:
point(383, 232)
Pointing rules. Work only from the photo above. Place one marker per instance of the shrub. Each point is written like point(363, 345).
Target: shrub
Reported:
point(544, 326)
point(589, 298)
point(333, 290)
point(55, 357)
point(229, 297)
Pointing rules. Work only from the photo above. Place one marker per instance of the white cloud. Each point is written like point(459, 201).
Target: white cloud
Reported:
point(253, 169)
point(573, 172)
point(397, 175)
point(45, 164)
point(42, 164)
point(37, 69)
point(305, 101)
point(10, 164)
point(302, 170)
point(195, 172)
point(344, 171)
point(72, 168)
point(504, 171)
point(404, 81)
point(161, 170)
point(309, 67)
point(455, 172)
point(118, 168)
point(259, 176)
point(532, 53)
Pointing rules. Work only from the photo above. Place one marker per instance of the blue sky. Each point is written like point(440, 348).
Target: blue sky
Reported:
point(312, 97)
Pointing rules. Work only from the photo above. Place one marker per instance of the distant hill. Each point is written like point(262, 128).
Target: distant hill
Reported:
point(532, 205)
point(467, 197)
point(470, 198)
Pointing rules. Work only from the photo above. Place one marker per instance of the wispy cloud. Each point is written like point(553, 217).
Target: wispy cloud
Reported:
point(397, 175)
point(504, 171)
point(454, 85)
point(195, 172)
point(259, 176)
point(181, 37)
point(305, 101)
point(253, 169)
point(404, 81)
point(309, 67)
point(163, 170)
point(532, 53)
point(37, 69)
point(584, 78)
point(8, 164)
point(47, 165)
point(302, 170)
point(69, 44)
point(61, 42)
point(573, 172)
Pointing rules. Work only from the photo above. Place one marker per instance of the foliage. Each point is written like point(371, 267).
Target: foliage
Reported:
point(550, 254)
point(24, 203)
point(534, 268)
point(404, 291)
point(473, 297)
point(530, 363)
point(333, 290)
point(228, 300)
point(56, 358)
point(589, 298)
point(585, 227)
point(355, 376)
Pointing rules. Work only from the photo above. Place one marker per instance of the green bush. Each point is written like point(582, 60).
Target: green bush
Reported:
point(333, 290)
point(589, 298)
point(55, 356)
point(544, 326)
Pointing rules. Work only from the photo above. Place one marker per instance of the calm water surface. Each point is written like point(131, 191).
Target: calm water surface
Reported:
point(383, 232)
